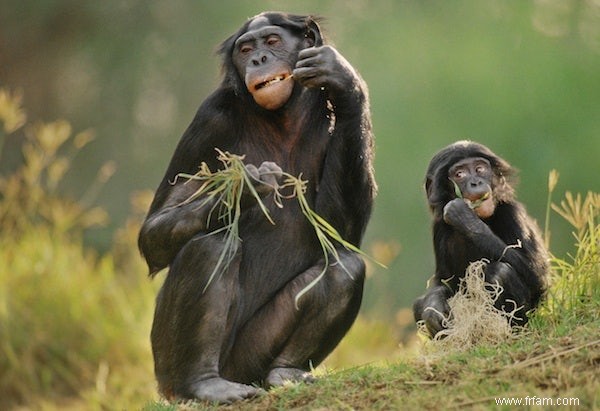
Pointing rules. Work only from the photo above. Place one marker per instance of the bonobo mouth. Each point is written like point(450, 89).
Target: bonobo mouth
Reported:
point(270, 82)
point(478, 196)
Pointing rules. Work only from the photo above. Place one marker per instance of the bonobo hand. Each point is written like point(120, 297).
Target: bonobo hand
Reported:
point(265, 177)
point(435, 319)
point(433, 309)
point(457, 213)
point(324, 67)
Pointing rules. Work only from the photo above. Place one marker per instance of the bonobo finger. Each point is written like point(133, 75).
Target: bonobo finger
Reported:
point(454, 209)
point(434, 325)
point(435, 320)
point(271, 168)
point(270, 173)
point(315, 61)
point(304, 73)
point(308, 52)
point(277, 377)
point(223, 391)
point(253, 171)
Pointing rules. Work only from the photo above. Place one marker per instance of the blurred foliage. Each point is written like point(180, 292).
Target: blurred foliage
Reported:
point(30, 195)
point(520, 77)
point(73, 324)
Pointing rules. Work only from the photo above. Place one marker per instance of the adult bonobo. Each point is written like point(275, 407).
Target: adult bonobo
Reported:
point(287, 102)
point(476, 216)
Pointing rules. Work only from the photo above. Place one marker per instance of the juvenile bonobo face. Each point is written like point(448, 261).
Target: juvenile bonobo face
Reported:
point(474, 178)
point(264, 57)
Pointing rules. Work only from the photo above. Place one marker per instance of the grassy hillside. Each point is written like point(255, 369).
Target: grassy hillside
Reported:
point(562, 363)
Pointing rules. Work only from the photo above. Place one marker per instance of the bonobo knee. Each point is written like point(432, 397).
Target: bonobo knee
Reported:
point(354, 267)
point(499, 272)
point(348, 274)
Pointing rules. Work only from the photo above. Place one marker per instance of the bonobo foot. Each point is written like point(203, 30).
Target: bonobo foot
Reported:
point(223, 391)
point(279, 376)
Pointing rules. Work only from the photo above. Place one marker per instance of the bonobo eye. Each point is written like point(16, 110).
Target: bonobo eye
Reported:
point(272, 39)
point(459, 174)
point(481, 169)
point(245, 48)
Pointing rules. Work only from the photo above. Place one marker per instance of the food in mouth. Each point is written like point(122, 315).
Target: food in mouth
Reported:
point(272, 81)
point(473, 204)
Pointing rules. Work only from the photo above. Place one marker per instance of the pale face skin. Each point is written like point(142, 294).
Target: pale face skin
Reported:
point(265, 57)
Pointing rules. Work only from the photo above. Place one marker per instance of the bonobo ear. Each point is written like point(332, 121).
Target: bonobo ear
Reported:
point(428, 188)
point(312, 36)
point(432, 192)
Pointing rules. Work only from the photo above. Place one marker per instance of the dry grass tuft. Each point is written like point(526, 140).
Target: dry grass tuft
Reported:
point(473, 318)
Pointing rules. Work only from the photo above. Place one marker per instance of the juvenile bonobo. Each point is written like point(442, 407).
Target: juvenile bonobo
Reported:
point(287, 102)
point(476, 216)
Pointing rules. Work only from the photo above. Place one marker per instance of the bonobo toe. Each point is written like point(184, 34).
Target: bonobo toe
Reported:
point(279, 376)
point(223, 391)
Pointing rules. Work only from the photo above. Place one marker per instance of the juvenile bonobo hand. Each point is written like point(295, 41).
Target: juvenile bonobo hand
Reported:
point(324, 67)
point(434, 308)
point(265, 177)
point(457, 213)
point(435, 319)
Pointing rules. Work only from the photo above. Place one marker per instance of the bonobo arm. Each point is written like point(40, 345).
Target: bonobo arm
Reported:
point(170, 226)
point(347, 185)
point(458, 214)
point(166, 230)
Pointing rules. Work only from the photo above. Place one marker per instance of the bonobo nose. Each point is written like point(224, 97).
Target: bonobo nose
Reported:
point(259, 60)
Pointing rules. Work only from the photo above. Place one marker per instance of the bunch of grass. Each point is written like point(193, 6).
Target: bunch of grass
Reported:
point(575, 280)
point(224, 189)
point(473, 319)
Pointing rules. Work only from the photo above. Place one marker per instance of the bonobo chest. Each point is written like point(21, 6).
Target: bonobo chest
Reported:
point(298, 152)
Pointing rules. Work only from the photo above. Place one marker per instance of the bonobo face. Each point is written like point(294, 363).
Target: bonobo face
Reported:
point(264, 57)
point(474, 178)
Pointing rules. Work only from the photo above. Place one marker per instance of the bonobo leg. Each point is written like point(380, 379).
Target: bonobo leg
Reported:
point(433, 308)
point(190, 326)
point(281, 342)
